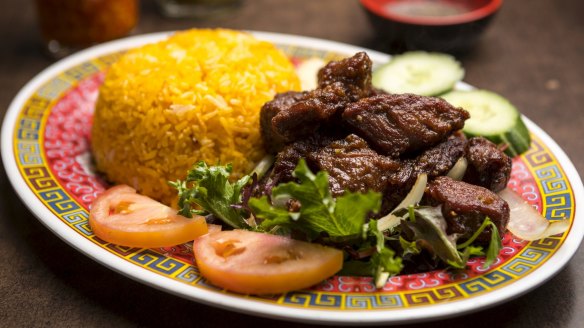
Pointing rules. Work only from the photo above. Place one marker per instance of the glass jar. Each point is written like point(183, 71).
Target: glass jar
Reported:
point(70, 25)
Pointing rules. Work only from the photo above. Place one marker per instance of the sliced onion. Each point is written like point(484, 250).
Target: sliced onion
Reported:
point(557, 227)
point(387, 222)
point(459, 169)
point(263, 166)
point(381, 280)
point(415, 195)
point(526, 223)
point(412, 198)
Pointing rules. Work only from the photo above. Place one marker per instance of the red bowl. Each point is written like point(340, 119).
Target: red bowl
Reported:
point(434, 25)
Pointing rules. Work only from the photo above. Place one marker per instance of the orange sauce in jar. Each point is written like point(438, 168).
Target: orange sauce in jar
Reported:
point(80, 23)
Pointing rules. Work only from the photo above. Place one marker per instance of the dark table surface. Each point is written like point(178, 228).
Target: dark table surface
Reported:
point(533, 54)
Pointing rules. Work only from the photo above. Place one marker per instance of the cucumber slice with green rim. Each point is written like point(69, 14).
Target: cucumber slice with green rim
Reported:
point(418, 72)
point(492, 117)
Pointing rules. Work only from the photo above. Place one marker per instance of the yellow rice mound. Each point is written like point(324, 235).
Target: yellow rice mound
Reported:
point(195, 96)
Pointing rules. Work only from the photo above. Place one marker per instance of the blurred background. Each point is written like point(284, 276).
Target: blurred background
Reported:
point(532, 53)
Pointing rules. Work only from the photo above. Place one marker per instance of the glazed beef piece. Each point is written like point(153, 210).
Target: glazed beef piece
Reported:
point(403, 124)
point(438, 160)
point(488, 166)
point(273, 142)
point(352, 166)
point(287, 159)
point(292, 116)
point(435, 161)
point(304, 117)
point(465, 206)
point(354, 73)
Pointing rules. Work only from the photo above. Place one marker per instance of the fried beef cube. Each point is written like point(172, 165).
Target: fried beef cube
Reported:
point(304, 117)
point(273, 142)
point(287, 159)
point(397, 124)
point(434, 162)
point(292, 116)
point(296, 115)
point(354, 73)
point(465, 206)
point(352, 166)
point(488, 167)
point(438, 160)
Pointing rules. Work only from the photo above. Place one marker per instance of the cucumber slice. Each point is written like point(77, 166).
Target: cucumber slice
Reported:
point(492, 117)
point(422, 73)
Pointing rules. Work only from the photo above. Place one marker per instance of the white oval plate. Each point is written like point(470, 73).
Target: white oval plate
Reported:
point(57, 185)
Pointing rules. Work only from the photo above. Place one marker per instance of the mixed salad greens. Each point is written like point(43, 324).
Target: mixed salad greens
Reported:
point(342, 222)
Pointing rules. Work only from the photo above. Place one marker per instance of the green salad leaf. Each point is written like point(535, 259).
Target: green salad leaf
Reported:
point(319, 211)
point(429, 227)
point(409, 247)
point(471, 251)
point(383, 263)
point(271, 215)
point(209, 188)
point(495, 245)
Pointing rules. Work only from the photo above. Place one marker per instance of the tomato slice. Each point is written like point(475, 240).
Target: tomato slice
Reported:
point(123, 217)
point(257, 263)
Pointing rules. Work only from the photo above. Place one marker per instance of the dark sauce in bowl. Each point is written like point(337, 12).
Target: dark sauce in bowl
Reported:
point(427, 8)
point(433, 25)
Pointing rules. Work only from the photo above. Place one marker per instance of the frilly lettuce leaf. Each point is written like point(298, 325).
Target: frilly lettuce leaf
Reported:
point(429, 227)
point(382, 264)
point(209, 188)
point(319, 211)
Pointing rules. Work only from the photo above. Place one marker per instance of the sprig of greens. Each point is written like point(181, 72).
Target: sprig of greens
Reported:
point(429, 227)
point(495, 244)
point(409, 247)
point(383, 263)
point(209, 188)
point(319, 212)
